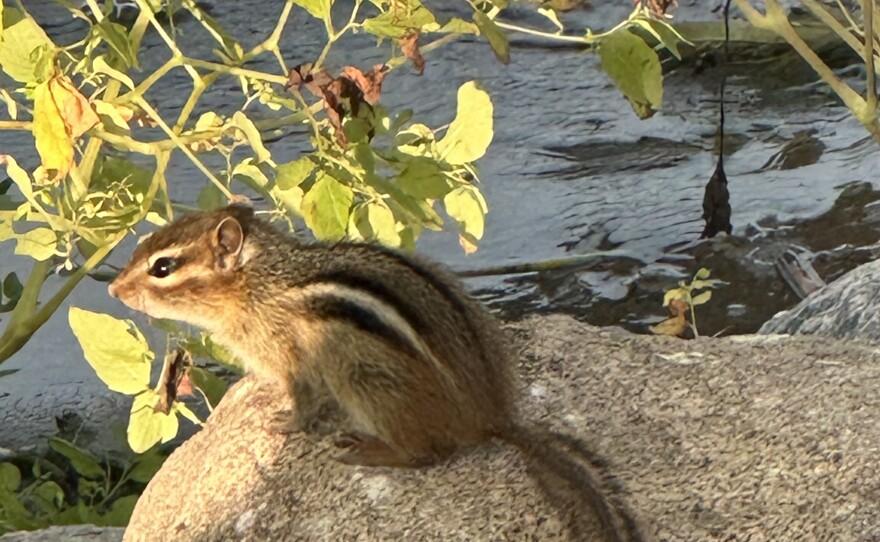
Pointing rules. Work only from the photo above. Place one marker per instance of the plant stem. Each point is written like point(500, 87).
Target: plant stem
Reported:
point(232, 70)
point(333, 36)
point(776, 21)
point(819, 12)
point(145, 85)
point(16, 124)
point(182, 146)
point(549, 35)
point(145, 9)
point(871, 76)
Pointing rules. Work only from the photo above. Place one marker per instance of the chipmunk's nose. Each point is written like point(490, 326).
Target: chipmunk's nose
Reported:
point(112, 289)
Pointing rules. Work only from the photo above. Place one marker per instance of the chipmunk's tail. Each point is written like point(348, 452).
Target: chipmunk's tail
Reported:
point(574, 479)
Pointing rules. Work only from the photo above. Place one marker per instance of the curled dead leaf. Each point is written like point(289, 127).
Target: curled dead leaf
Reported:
point(370, 83)
point(676, 324)
point(174, 381)
point(659, 8)
point(303, 76)
point(409, 45)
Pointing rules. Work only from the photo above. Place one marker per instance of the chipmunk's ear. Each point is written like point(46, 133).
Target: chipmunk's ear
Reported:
point(227, 242)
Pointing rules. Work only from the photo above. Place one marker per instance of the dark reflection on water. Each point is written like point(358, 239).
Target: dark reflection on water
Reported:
point(572, 171)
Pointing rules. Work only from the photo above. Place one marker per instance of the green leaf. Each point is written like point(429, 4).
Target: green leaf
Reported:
point(83, 462)
point(212, 386)
point(10, 476)
point(423, 179)
point(664, 33)
point(100, 65)
point(146, 427)
point(466, 206)
point(38, 243)
point(396, 23)
point(49, 496)
point(702, 298)
point(11, 104)
point(470, 133)
point(702, 274)
point(497, 38)
point(291, 199)
point(15, 514)
point(117, 37)
point(146, 466)
point(111, 117)
point(326, 208)
point(120, 512)
point(698, 284)
point(292, 174)
point(356, 130)
point(115, 349)
point(635, 69)
point(252, 134)
point(252, 175)
point(210, 198)
point(553, 18)
point(319, 9)
point(22, 38)
point(18, 175)
point(12, 287)
point(376, 222)
point(459, 26)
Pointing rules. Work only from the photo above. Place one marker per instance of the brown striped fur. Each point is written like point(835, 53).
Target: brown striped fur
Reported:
point(393, 340)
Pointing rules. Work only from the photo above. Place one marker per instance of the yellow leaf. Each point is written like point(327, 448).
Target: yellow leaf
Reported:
point(470, 133)
point(53, 142)
point(75, 109)
point(61, 116)
point(38, 243)
point(702, 298)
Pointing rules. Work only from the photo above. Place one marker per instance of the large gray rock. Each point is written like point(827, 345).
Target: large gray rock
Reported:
point(769, 438)
point(846, 309)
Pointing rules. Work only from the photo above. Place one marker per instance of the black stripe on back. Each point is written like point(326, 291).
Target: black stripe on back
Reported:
point(333, 307)
point(378, 290)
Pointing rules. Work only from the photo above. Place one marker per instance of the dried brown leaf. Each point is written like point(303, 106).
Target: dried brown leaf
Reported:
point(676, 324)
point(303, 76)
point(370, 83)
point(409, 45)
point(174, 380)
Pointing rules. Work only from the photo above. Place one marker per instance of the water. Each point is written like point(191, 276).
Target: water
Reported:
point(571, 170)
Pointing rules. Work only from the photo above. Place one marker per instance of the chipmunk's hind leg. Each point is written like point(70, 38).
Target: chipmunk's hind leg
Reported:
point(315, 411)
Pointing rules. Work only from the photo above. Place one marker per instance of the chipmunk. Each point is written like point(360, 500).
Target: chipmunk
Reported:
point(416, 367)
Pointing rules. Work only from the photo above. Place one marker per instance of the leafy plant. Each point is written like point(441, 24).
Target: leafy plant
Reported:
point(861, 38)
point(372, 174)
point(70, 485)
point(682, 300)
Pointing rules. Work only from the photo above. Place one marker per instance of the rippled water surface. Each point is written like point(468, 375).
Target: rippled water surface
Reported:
point(572, 171)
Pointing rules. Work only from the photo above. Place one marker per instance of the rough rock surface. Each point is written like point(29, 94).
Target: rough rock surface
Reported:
point(67, 533)
point(760, 438)
point(845, 309)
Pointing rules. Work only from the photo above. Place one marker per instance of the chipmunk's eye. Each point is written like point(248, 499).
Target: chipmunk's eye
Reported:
point(163, 267)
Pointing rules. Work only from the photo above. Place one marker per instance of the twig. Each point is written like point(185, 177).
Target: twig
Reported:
point(871, 76)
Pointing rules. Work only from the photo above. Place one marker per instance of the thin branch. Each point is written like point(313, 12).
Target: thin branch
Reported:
point(871, 76)
point(15, 125)
point(238, 72)
point(182, 146)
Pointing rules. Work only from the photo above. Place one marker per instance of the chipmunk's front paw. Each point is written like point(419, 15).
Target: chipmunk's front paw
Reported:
point(285, 422)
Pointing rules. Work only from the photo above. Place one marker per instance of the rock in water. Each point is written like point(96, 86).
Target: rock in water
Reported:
point(743, 438)
point(846, 309)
